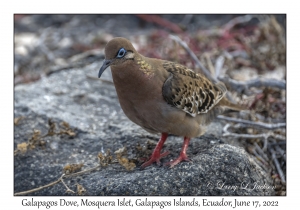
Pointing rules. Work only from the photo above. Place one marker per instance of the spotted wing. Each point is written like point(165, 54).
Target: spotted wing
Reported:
point(191, 92)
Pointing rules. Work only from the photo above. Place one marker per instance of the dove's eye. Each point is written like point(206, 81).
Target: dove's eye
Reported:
point(121, 53)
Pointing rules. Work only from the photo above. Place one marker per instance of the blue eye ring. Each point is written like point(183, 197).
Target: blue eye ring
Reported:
point(121, 53)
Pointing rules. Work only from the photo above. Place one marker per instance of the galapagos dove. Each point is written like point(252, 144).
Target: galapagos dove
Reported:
point(162, 96)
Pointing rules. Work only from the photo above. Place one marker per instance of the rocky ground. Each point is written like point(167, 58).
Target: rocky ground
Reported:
point(67, 121)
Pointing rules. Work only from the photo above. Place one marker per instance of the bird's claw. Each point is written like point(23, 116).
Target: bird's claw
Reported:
point(154, 158)
point(178, 160)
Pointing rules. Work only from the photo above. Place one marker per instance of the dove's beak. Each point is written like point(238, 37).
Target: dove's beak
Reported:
point(106, 63)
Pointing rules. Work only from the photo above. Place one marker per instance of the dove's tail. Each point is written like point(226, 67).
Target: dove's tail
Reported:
point(237, 107)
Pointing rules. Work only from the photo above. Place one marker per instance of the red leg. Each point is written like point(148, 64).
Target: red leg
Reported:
point(182, 156)
point(156, 153)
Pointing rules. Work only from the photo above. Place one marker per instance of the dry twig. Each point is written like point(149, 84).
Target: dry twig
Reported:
point(68, 189)
point(255, 124)
point(194, 57)
point(261, 161)
point(265, 145)
point(277, 165)
point(259, 82)
point(237, 20)
point(251, 136)
point(162, 22)
point(281, 152)
point(218, 65)
point(261, 152)
point(57, 181)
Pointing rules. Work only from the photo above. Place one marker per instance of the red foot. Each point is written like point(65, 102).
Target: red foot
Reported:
point(155, 158)
point(182, 156)
point(156, 155)
point(178, 160)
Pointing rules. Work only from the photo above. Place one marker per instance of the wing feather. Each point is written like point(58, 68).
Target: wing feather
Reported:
point(191, 92)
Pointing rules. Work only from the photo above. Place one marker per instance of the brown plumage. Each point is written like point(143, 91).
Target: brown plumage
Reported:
point(162, 96)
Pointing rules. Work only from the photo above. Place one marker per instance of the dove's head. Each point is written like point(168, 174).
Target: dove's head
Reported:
point(117, 52)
